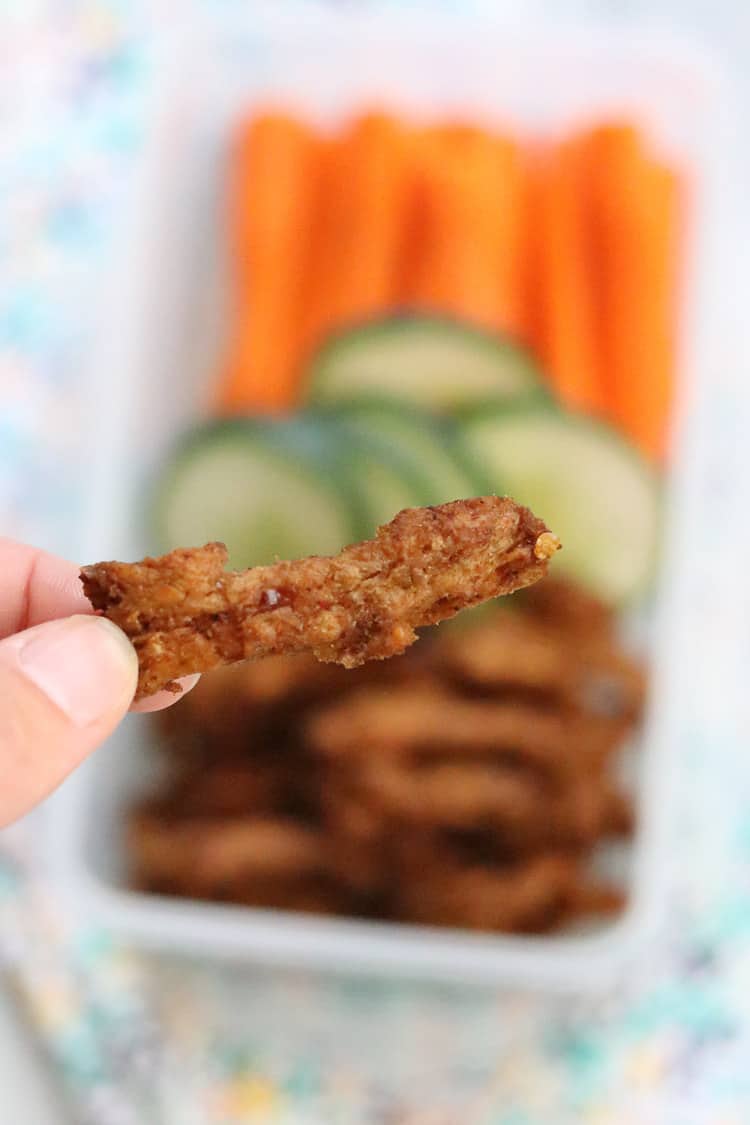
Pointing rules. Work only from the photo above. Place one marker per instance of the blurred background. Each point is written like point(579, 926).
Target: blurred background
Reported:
point(271, 273)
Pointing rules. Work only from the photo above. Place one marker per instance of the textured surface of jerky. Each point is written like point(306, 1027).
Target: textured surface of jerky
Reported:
point(429, 722)
point(530, 896)
point(486, 758)
point(204, 853)
point(521, 810)
point(185, 613)
point(524, 656)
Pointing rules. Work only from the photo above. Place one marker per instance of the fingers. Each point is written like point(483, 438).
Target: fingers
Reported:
point(164, 699)
point(64, 686)
point(35, 587)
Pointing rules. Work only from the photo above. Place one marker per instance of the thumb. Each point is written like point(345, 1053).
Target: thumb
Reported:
point(64, 686)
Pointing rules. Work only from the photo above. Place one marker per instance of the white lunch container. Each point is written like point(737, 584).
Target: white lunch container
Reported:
point(160, 332)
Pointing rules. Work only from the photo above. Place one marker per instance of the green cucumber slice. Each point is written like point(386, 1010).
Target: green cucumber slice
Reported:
point(268, 489)
point(382, 479)
point(589, 485)
point(382, 485)
point(433, 362)
point(431, 447)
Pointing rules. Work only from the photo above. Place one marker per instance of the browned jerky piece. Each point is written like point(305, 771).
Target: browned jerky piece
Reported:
point(257, 709)
point(519, 656)
point(597, 899)
point(314, 894)
point(185, 613)
point(308, 894)
point(524, 814)
point(563, 604)
point(510, 654)
point(423, 722)
point(207, 853)
point(360, 839)
point(452, 794)
point(619, 816)
point(528, 897)
point(610, 684)
point(227, 789)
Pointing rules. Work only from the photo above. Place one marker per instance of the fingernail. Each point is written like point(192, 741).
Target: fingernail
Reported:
point(84, 665)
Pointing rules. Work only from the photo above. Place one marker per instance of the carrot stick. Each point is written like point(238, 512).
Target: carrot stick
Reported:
point(532, 181)
point(270, 220)
point(511, 203)
point(315, 315)
point(356, 274)
point(634, 205)
point(663, 254)
point(467, 201)
point(565, 330)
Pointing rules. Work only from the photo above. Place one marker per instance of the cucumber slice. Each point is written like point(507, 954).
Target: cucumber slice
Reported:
point(267, 489)
point(383, 480)
point(586, 482)
point(430, 446)
point(382, 476)
point(433, 362)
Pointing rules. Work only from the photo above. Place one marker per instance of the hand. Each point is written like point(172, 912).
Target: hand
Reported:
point(67, 678)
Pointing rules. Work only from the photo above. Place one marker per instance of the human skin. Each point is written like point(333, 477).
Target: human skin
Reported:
point(67, 678)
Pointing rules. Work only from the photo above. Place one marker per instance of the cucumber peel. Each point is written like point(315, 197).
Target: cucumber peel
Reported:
point(586, 482)
point(266, 488)
point(429, 447)
point(431, 361)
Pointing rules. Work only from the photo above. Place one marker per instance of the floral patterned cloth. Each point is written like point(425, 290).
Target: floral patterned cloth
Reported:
point(139, 1039)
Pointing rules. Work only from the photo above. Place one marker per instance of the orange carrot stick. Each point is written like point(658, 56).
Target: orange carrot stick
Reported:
point(663, 261)
point(509, 248)
point(634, 205)
point(565, 330)
point(314, 315)
point(468, 203)
point(360, 263)
point(270, 220)
point(529, 315)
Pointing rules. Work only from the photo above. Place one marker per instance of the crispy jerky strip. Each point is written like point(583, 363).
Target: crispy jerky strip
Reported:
point(511, 652)
point(315, 894)
point(184, 613)
point(563, 604)
point(198, 852)
point(227, 789)
point(520, 653)
point(522, 814)
point(308, 895)
point(454, 794)
point(431, 723)
point(597, 899)
point(528, 897)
